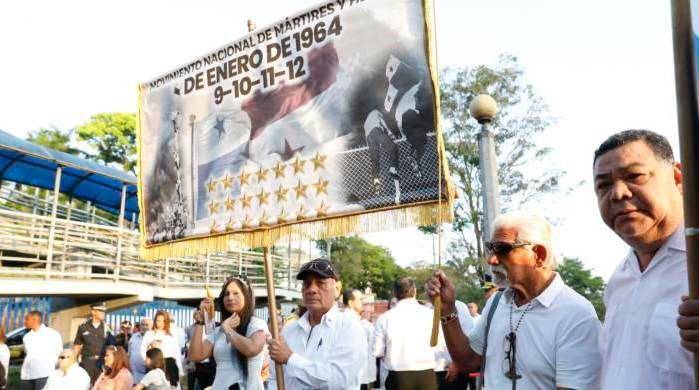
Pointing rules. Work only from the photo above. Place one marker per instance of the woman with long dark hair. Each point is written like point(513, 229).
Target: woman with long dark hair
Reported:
point(238, 344)
point(116, 374)
point(162, 338)
point(155, 378)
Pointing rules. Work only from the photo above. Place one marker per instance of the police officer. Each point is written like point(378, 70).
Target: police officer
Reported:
point(91, 340)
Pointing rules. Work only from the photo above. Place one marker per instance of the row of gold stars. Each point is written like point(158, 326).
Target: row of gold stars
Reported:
point(321, 211)
point(278, 171)
point(281, 193)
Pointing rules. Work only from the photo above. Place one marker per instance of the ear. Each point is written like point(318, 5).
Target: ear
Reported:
point(541, 255)
point(677, 174)
point(338, 289)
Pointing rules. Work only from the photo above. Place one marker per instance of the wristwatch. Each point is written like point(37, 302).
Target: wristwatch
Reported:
point(449, 317)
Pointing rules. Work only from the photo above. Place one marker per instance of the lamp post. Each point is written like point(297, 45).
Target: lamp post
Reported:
point(483, 108)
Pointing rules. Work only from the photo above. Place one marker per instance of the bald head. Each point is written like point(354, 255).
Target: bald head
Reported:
point(66, 359)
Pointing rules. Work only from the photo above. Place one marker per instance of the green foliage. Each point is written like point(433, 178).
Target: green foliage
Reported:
point(581, 280)
point(113, 136)
point(361, 264)
point(55, 138)
point(522, 170)
point(468, 288)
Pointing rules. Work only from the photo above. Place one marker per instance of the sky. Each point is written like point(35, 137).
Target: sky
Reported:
point(601, 66)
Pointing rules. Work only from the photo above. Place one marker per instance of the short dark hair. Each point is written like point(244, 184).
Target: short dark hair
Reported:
point(348, 295)
point(36, 313)
point(404, 288)
point(656, 142)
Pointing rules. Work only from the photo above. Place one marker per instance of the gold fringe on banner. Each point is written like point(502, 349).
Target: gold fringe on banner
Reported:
point(333, 226)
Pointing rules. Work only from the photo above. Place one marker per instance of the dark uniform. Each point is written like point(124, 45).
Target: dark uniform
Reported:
point(93, 341)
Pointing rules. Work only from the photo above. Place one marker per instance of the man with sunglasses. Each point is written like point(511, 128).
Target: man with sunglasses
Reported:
point(326, 347)
point(69, 375)
point(540, 333)
point(638, 186)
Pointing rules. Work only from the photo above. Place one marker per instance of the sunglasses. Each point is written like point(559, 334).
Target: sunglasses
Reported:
point(500, 248)
point(317, 266)
point(509, 366)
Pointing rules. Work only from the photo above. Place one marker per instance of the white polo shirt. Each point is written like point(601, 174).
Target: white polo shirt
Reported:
point(402, 337)
point(76, 378)
point(557, 341)
point(329, 355)
point(640, 340)
point(42, 347)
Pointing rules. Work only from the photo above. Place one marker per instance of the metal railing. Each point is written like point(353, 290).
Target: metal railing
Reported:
point(86, 250)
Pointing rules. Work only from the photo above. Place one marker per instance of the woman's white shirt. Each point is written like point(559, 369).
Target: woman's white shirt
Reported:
point(228, 368)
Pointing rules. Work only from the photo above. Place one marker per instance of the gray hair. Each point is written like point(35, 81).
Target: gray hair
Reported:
point(532, 228)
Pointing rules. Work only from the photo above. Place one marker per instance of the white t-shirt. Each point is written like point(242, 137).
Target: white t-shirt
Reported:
point(228, 368)
point(557, 341)
point(155, 377)
point(42, 347)
point(5, 358)
point(169, 345)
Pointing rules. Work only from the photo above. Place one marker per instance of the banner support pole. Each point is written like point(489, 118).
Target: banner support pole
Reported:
point(688, 126)
point(272, 306)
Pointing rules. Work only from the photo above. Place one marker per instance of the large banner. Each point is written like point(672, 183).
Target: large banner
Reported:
point(301, 127)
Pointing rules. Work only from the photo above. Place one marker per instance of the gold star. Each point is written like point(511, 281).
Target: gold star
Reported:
point(264, 217)
point(300, 190)
point(322, 210)
point(282, 212)
point(298, 166)
point(319, 161)
point(245, 201)
point(211, 186)
point(243, 177)
point(229, 224)
point(213, 207)
point(247, 221)
point(281, 193)
point(227, 182)
point(229, 203)
point(212, 227)
point(279, 170)
point(321, 187)
point(262, 197)
point(302, 212)
point(261, 175)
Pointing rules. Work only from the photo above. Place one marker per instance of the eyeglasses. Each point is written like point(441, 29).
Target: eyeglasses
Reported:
point(509, 366)
point(500, 248)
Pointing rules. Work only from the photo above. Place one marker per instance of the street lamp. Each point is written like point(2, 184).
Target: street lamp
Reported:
point(483, 108)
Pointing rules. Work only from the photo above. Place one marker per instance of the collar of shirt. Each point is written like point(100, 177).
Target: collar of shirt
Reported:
point(546, 297)
point(327, 319)
point(674, 243)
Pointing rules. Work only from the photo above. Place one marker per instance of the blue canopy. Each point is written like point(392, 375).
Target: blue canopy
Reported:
point(25, 162)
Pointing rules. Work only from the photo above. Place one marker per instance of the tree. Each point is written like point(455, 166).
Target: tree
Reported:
point(522, 173)
point(55, 138)
point(581, 280)
point(113, 136)
point(362, 264)
point(468, 288)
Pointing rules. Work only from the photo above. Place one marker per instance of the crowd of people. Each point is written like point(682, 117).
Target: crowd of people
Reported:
point(535, 332)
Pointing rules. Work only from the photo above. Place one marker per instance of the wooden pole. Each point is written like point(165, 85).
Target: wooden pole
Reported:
point(688, 125)
point(272, 305)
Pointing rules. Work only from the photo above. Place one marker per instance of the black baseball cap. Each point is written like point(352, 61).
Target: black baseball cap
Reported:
point(320, 267)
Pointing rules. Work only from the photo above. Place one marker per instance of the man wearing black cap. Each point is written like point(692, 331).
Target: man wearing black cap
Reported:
point(91, 340)
point(325, 348)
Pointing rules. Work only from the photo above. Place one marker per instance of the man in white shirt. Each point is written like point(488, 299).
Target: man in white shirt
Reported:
point(401, 338)
point(639, 193)
point(326, 347)
point(352, 299)
point(543, 334)
point(42, 346)
point(138, 365)
point(69, 375)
